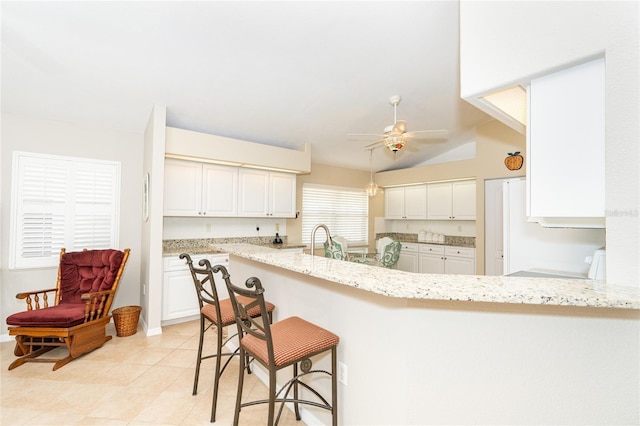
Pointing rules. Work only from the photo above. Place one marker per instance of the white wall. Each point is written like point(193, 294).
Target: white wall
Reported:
point(507, 43)
point(52, 137)
point(151, 284)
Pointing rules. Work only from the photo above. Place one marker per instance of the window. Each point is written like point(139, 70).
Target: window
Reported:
point(344, 210)
point(61, 202)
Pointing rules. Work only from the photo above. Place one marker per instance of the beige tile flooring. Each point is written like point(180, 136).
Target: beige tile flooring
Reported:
point(133, 380)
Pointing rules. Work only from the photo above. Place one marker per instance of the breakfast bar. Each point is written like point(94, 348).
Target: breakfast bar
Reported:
point(460, 349)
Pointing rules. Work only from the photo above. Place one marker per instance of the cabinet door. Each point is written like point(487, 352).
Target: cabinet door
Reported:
point(394, 203)
point(253, 197)
point(431, 263)
point(282, 195)
point(566, 143)
point(463, 200)
point(459, 265)
point(219, 190)
point(439, 201)
point(182, 188)
point(415, 202)
point(179, 295)
point(408, 262)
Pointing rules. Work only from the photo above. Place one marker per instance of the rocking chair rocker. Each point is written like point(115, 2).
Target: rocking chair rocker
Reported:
point(86, 285)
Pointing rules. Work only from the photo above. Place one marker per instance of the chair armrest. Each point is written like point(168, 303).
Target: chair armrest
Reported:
point(36, 298)
point(95, 303)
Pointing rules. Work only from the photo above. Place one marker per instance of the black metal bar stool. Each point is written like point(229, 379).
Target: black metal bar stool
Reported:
point(216, 313)
point(289, 342)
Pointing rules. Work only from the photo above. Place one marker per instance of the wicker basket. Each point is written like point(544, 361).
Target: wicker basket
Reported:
point(126, 320)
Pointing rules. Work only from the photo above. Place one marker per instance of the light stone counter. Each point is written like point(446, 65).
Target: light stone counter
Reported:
point(471, 288)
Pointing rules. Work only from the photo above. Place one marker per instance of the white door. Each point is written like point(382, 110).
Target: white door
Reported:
point(182, 188)
point(283, 195)
point(493, 228)
point(439, 201)
point(431, 263)
point(394, 203)
point(408, 262)
point(459, 265)
point(219, 190)
point(463, 200)
point(415, 202)
point(253, 193)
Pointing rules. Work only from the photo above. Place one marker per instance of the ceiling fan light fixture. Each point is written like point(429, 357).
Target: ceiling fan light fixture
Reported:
point(394, 143)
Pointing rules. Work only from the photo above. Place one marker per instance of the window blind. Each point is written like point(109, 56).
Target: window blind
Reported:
point(61, 202)
point(344, 210)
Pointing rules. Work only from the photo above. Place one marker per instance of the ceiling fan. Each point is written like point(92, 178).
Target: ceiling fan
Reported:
point(395, 136)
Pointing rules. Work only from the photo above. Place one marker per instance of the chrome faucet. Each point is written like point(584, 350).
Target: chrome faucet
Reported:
point(313, 236)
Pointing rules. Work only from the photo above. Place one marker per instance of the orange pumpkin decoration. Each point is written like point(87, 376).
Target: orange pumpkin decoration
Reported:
point(514, 161)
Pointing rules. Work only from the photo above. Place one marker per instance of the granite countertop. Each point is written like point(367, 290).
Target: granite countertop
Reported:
point(204, 246)
point(472, 288)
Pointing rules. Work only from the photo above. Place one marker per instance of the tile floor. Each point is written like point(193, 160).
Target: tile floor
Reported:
point(133, 380)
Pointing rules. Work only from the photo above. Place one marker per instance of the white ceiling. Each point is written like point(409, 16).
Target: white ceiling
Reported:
point(278, 73)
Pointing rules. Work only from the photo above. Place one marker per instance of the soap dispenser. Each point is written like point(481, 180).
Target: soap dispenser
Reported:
point(277, 240)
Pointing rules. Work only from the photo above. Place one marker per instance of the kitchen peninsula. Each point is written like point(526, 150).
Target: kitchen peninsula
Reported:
point(435, 349)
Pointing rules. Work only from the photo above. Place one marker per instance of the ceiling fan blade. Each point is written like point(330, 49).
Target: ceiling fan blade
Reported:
point(364, 134)
point(429, 133)
point(399, 126)
point(380, 142)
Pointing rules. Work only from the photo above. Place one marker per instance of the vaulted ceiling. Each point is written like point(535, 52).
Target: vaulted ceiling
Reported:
point(278, 73)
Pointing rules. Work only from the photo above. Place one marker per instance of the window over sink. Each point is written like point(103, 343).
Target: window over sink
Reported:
point(344, 210)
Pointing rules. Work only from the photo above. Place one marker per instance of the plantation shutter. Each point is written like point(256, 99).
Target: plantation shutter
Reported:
point(61, 202)
point(41, 204)
point(344, 210)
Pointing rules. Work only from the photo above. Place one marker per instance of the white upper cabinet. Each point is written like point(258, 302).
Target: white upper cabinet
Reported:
point(197, 189)
point(406, 202)
point(452, 200)
point(266, 194)
point(566, 147)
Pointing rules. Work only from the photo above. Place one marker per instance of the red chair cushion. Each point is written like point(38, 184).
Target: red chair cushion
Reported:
point(87, 271)
point(63, 315)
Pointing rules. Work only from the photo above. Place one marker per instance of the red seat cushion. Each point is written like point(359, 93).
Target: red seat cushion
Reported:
point(293, 340)
point(63, 315)
point(226, 310)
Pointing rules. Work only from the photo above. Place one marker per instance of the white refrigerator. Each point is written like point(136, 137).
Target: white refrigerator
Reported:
point(528, 245)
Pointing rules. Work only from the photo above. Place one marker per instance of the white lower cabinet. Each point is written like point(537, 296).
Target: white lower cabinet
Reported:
point(408, 260)
point(459, 260)
point(179, 299)
point(436, 259)
point(431, 259)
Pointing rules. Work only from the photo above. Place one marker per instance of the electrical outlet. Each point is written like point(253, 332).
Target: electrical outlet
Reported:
point(208, 227)
point(342, 373)
point(277, 227)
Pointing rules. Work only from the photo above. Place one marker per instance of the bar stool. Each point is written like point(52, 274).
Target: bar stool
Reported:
point(287, 342)
point(213, 308)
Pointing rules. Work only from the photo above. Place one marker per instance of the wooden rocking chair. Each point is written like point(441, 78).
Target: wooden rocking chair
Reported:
point(86, 285)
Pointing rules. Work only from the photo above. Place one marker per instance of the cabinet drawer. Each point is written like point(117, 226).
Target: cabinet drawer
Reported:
point(431, 248)
point(409, 247)
point(460, 251)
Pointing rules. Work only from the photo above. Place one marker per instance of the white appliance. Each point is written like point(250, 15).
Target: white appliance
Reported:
point(530, 246)
point(597, 271)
